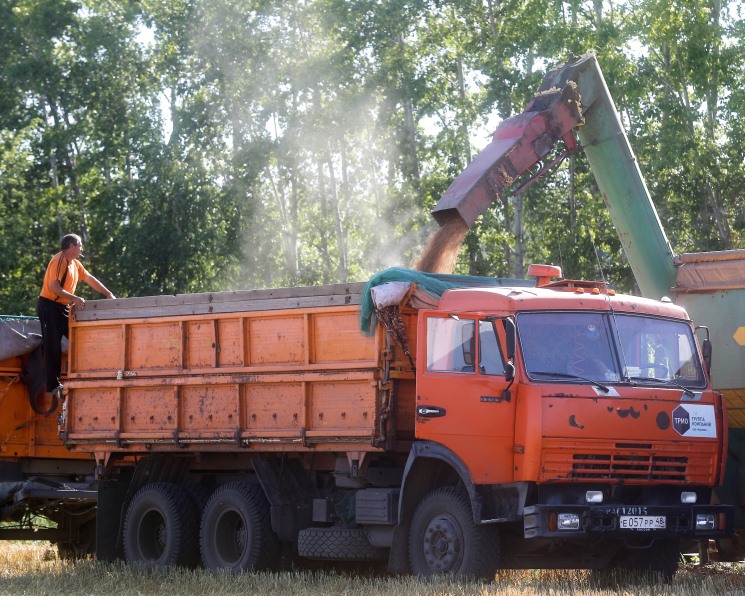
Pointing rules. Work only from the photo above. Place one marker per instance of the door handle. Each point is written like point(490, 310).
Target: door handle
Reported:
point(430, 411)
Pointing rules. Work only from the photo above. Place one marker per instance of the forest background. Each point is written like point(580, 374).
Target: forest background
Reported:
point(204, 145)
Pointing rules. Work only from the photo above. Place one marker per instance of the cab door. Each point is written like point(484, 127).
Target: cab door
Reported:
point(461, 398)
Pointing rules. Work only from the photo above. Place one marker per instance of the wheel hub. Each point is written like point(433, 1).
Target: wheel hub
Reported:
point(241, 538)
point(442, 545)
point(162, 535)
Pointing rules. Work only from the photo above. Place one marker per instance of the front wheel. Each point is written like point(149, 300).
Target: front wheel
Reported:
point(444, 539)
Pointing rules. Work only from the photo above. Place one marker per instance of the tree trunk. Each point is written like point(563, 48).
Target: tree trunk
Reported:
point(409, 123)
point(518, 267)
point(710, 194)
point(342, 271)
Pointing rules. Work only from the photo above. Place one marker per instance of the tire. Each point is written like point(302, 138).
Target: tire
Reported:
point(236, 531)
point(81, 546)
point(161, 527)
point(658, 562)
point(731, 549)
point(444, 539)
point(661, 560)
point(338, 544)
point(199, 494)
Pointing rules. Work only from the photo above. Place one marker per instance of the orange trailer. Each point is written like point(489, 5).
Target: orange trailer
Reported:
point(41, 481)
point(476, 427)
point(219, 379)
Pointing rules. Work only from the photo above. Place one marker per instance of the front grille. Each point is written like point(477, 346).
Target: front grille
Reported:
point(627, 463)
point(628, 467)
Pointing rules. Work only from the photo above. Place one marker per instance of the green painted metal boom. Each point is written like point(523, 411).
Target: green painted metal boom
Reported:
point(573, 99)
point(573, 104)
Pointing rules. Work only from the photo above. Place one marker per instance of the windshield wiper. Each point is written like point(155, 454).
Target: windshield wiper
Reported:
point(562, 375)
point(685, 389)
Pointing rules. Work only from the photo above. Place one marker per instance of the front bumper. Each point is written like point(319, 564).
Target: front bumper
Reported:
point(627, 522)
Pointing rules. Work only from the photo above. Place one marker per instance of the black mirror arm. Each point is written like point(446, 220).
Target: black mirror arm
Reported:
point(509, 375)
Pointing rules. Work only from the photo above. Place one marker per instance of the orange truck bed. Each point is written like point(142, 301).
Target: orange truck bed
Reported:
point(46, 491)
point(269, 370)
point(23, 432)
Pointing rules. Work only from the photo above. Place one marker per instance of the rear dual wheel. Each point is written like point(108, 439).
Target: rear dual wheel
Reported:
point(161, 527)
point(236, 531)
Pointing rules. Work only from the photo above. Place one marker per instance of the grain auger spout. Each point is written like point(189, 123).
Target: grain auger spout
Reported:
point(572, 100)
point(518, 144)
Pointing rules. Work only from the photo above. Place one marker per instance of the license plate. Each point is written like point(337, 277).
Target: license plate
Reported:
point(642, 522)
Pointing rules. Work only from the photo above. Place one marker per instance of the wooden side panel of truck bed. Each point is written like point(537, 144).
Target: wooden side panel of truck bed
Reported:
point(283, 376)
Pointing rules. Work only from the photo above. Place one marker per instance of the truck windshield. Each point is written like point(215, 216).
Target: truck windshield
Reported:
point(606, 347)
point(659, 349)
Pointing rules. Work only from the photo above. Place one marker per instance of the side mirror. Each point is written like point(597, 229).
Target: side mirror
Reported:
point(706, 349)
point(510, 331)
point(706, 353)
point(468, 343)
point(509, 371)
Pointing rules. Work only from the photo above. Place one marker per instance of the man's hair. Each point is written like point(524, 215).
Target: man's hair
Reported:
point(70, 240)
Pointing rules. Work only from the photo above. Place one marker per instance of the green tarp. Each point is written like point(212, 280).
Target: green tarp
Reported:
point(432, 283)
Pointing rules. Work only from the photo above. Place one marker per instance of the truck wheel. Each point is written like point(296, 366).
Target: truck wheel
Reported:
point(662, 559)
point(444, 539)
point(199, 494)
point(338, 544)
point(236, 532)
point(731, 549)
point(659, 561)
point(161, 527)
point(83, 545)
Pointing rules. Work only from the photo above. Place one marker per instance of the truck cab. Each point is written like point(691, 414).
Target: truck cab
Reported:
point(583, 418)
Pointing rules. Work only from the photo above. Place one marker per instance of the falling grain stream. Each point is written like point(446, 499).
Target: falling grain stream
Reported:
point(441, 251)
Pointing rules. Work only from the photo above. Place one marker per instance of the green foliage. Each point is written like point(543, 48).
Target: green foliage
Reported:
point(201, 145)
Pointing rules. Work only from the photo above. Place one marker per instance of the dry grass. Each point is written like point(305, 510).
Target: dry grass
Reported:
point(34, 568)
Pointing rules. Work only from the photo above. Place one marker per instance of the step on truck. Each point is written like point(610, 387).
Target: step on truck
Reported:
point(444, 424)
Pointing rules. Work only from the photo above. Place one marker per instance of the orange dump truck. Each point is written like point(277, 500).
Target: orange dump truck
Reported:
point(39, 478)
point(476, 427)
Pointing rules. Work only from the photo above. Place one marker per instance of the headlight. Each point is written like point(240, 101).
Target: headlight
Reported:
point(705, 521)
point(594, 496)
point(689, 498)
point(568, 521)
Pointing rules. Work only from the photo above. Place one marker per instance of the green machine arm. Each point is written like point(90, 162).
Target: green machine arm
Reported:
point(573, 99)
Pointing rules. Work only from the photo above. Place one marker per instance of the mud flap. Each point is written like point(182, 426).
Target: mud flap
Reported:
point(33, 374)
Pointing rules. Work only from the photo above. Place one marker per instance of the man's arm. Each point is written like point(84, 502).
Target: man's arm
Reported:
point(98, 286)
point(57, 288)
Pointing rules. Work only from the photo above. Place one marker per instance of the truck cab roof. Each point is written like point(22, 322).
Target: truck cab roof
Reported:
point(556, 297)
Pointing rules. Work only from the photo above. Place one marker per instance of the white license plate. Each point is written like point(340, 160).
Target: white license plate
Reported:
point(642, 522)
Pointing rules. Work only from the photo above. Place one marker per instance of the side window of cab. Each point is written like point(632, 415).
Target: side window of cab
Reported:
point(451, 346)
point(491, 361)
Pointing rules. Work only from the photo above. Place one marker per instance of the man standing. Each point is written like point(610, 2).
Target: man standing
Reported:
point(57, 295)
